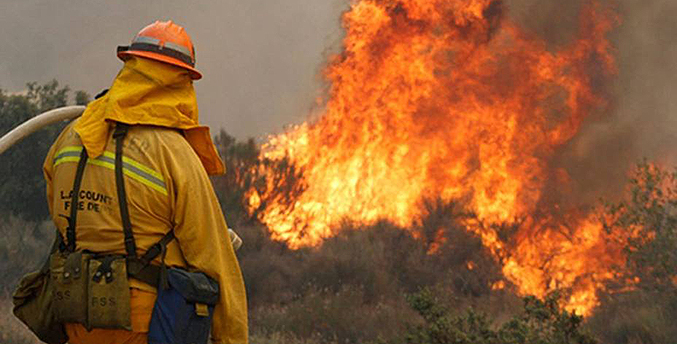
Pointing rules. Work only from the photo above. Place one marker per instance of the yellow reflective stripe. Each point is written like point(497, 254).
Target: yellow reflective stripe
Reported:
point(69, 149)
point(136, 173)
point(131, 168)
point(127, 172)
point(66, 154)
point(137, 165)
point(133, 175)
point(101, 163)
point(59, 161)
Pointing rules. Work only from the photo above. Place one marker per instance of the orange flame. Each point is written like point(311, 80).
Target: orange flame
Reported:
point(449, 99)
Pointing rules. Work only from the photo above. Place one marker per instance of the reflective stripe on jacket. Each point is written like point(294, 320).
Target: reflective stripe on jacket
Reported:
point(167, 187)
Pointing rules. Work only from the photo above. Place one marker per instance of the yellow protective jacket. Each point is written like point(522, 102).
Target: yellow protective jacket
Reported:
point(167, 188)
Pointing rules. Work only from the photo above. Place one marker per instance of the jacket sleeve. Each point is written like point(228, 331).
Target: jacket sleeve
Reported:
point(202, 235)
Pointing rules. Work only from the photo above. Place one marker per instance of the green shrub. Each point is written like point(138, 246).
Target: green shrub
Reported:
point(646, 222)
point(642, 304)
point(21, 181)
point(542, 322)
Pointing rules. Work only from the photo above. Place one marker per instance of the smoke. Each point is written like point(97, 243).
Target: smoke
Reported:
point(260, 58)
point(641, 121)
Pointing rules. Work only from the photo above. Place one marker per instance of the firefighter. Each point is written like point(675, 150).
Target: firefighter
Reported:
point(148, 117)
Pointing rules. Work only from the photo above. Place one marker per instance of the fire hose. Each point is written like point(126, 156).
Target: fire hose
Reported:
point(58, 115)
point(38, 122)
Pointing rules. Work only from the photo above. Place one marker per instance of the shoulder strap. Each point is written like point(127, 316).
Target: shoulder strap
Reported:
point(119, 136)
point(139, 268)
point(72, 220)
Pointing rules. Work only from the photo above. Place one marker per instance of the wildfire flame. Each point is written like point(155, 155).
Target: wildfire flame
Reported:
point(450, 99)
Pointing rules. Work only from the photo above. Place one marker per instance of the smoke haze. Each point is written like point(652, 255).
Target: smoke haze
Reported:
point(260, 59)
point(642, 119)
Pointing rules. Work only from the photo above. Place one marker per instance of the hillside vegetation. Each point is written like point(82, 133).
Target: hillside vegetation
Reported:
point(377, 283)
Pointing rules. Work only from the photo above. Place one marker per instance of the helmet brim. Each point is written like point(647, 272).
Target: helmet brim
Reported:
point(194, 73)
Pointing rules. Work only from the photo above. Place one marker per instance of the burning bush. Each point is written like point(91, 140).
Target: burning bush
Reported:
point(648, 217)
point(642, 305)
point(451, 100)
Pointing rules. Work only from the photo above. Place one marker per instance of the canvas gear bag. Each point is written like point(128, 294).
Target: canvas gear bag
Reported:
point(33, 302)
point(108, 293)
point(68, 275)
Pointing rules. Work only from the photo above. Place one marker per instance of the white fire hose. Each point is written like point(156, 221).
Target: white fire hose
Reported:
point(38, 122)
point(57, 115)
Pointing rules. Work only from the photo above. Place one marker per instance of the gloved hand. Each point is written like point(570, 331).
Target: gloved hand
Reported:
point(235, 239)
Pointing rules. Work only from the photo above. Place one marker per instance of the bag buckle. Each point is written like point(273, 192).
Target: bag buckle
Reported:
point(104, 270)
point(201, 310)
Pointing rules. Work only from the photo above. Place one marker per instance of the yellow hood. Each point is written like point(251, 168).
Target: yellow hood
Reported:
point(150, 93)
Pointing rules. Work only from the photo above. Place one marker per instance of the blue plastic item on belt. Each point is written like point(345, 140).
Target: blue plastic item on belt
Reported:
point(176, 318)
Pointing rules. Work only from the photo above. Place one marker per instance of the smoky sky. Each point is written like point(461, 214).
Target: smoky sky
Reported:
point(641, 121)
point(262, 61)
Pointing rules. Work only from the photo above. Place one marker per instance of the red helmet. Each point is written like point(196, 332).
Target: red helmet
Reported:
point(164, 42)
